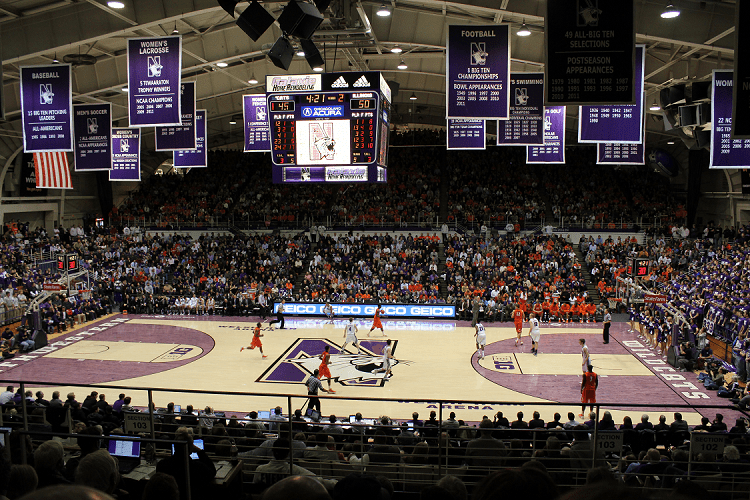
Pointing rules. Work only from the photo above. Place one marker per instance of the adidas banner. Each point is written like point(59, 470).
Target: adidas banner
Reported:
point(126, 154)
point(255, 118)
point(46, 108)
point(92, 124)
point(368, 80)
point(195, 157)
point(183, 136)
point(154, 77)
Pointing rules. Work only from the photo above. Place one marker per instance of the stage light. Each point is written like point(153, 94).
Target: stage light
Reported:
point(255, 20)
point(383, 11)
point(228, 6)
point(523, 30)
point(397, 50)
point(281, 53)
point(402, 65)
point(670, 12)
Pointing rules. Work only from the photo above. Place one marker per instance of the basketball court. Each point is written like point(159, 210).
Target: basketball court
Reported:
point(434, 360)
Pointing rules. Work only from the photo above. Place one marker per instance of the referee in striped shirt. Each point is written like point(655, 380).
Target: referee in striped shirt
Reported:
point(607, 322)
point(313, 385)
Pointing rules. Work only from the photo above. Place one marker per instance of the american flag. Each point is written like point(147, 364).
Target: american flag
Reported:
point(52, 171)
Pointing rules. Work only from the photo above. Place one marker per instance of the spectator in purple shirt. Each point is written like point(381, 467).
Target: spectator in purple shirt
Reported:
point(117, 406)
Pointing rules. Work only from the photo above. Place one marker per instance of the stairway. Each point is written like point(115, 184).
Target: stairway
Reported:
point(590, 285)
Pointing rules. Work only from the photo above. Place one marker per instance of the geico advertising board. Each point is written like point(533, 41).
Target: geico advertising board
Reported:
point(390, 310)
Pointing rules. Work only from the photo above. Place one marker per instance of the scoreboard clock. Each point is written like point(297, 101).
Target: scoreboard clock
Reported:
point(67, 262)
point(637, 268)
point(331, 127)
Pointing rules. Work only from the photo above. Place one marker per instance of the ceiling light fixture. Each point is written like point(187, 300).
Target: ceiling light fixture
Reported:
point(523, 30)
point(383, 11)
point(396, 50)
point(670, 12)
point(413, 97)
point(319, 69)
point(125, 89)
point(402, 65)
point(670, 142)
point(115, 5)
point(54, 59)
point(655, 107)
point(221, 64)
point(301, 53)
point(232, 121)
point(252, 80)
point(175, 31)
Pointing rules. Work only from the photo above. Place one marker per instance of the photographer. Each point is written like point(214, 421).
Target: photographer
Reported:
point(704, 356)
point(684, 361)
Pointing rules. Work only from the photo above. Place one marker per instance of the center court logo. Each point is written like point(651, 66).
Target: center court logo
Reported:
point(347, 368)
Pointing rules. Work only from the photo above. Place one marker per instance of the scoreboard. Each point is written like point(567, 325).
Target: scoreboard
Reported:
point(330, 127)
point(637, 267)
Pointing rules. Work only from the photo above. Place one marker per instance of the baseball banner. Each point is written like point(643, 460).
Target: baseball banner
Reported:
point(46, 108)
point(126, 154)
point(196, 157)
point(154, 77)
point(525, 125)
point(92, 127)
point(255, 118)
point(466, 134)
point(182, 136)
point(553, 149)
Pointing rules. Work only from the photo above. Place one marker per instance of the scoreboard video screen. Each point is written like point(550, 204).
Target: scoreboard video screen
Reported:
point(331, 127)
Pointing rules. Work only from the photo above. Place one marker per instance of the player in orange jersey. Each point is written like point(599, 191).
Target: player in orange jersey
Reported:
point(518, 321)
point(325, 359)
point(565, 312)
point(575, 310)
point(256, 341)
point(554, 310)
point(546, 308)
point(376, 321)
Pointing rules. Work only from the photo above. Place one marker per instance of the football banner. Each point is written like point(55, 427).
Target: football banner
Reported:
point(466, 134)
point(182, 136)
point(725, 151)
point(478, 71)
point(255, 118)
point(126, 154)
point(553, 149)
point(195, 157)
point(154, 77)
point(92, 127)
point(47, 108)
point(525, 124)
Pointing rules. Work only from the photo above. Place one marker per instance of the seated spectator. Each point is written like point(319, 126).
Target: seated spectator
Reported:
point(49, 464)
point(278, 468)
point(485, 451)
point(202, 471)
point(98, 470)
point(320, 451)
point(383, 453)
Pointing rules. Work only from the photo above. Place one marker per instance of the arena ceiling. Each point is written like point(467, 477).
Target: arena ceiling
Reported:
point(352, 37)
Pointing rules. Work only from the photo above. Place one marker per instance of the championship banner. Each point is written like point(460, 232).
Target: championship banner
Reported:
point(92, 128)
point(745, 180)
point(725, 151)
point(741, 98)
point(46, 108)
point(183, 136)
point(196, 157)
point(126, 154)
point(28, 177)
point(623, 123)
point(255, 118)
point(553, 149)
point(589, 54)
point(466, 134)
point(621, 154)
point(478, 71)
point(154, 76)
point(524, 126)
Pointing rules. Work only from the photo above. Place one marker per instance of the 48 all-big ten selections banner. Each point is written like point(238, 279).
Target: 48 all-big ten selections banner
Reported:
point(154, 77)
point(553, 149)
point(466, 134)
point(182, 136)
point(725, 151)
point(255, 119)
point(46, 108)
point(92, 124)
point(524, 126)
point(126, 155)
point(478, 77)
point(195, 157)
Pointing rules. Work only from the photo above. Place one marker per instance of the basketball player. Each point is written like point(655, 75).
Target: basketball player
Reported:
point(518, 321)
point(328, 310)
point(534, 333)
point(586, 361)
point(481, 337)
point(387, 359)
point(325, 358)
point(256, 341)
point(589, 383)
point(350, 334)
point(376, 322)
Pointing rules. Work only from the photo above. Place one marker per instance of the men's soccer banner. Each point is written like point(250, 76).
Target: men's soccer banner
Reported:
point(466, 134)
point(255, 118)
point(725, 151)
point(525, 125)
point(154, 77)
point(46, 108)
point(617, 123)
point(553, 149)
point(608, 153)
point(478, 78)
point(195, 157)
point(92, 125)
point(183, 136)
point(126, 154)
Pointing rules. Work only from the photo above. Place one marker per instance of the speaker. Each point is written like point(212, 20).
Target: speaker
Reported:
point(255, 20)
point(228, 5)
point(394, 85)
point(281, 53)
point(702, 138)
point(322, 5)
point(300, 19)
point(312, 54)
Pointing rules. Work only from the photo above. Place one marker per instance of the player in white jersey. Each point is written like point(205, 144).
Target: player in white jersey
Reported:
point(481, 336)
point(328, 310)
point(585, 355)
point(387, 357)
point(534, 333)
point(350, 333)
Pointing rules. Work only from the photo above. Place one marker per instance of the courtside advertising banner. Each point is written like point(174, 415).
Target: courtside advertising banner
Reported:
point(620, 154)
point(466, 134)
point(46, 108)
point(194, 157)
point(725, 151)
point(589, 55)
point(478, 79)
point(255, 118)
point(618, 123)
point(741, 111)
point(525, 125)
point(154, 77)
point(92, 126)
point(126, 154)
point(553, 149)
point(368, 310)
point(183, 136)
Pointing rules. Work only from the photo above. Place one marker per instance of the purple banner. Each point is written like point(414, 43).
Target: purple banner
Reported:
point(725, 151)
point(154, 75)
point(553, 149)
point(46, 108)
point(126, 154)
point(478, 76)
point(92, 126)
point(466, 134)
point(623, 123)
point(182, 137)
point(196, 157)
point(621, 154)
point(524, 127)
point(255, 118)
